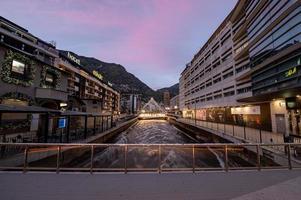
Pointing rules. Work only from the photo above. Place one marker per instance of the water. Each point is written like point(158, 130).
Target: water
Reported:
point(158, 132)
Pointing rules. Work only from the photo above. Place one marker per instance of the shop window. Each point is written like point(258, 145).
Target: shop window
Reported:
point(18, 67)
point(49, 80)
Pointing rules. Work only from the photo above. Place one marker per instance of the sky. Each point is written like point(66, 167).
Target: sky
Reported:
point(152, 39)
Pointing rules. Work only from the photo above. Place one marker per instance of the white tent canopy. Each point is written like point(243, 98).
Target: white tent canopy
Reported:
point(152, 107)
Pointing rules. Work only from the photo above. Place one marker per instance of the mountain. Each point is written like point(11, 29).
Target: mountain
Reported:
point(173, 90)
point(122, 80)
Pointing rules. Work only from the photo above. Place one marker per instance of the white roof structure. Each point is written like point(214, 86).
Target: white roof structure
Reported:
point(152, 107)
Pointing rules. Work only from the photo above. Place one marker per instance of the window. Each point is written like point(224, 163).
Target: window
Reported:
point(49, 78)
point(18, 67)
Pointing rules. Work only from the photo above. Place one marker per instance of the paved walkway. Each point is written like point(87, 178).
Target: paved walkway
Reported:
point(277, 184)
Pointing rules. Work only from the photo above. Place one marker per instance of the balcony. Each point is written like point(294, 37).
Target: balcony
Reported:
point(50, 93)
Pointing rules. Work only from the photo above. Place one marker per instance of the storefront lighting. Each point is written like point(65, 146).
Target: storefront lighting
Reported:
point(63, 104)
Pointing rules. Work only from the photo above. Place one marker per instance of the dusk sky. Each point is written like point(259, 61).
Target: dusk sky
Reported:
point(153, 39)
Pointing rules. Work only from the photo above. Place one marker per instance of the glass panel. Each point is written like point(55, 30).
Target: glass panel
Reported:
point(176, 157)
point(296, 155)
point(42, 157)
point(271, 157)
point(11, 156)
point(109, 158)
point(75, 157)
point(242, 156)
point(143, 157)
point(209, 157)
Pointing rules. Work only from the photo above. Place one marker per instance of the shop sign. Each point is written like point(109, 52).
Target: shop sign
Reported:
point(248, 110)
point(291, 72)
point(73, 58)
point(97, 74)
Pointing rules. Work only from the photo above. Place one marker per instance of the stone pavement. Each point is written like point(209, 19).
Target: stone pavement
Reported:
point(273, 184)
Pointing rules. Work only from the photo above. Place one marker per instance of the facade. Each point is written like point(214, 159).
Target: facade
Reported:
point(166, 99)
point(87, 91)
point(130, 103)
point(41, 87)
point(29, 77)
point(174, 103)
point(248, 71)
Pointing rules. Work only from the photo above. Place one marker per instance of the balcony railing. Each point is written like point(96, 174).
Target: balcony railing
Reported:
point(131, 157)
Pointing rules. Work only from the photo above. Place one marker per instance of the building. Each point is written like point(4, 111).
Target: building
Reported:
point(87, 90)
point(166, 99)
point(130, 103)
point(41, 89)
point(174, 104)
point(248, 73)
point(29, 78)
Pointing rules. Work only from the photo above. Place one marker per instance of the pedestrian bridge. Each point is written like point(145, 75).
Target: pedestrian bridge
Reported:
point(152, 110)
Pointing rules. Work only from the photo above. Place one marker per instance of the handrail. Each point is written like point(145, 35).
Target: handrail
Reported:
point(150, 144)
point(57, 150)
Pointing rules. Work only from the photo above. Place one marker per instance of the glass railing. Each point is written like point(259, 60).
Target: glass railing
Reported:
point(146, 157)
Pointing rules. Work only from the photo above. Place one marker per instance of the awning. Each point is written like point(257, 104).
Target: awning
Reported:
point(26, 109)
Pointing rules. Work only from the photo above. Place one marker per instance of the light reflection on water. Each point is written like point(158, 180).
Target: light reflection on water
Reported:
point(156, 132)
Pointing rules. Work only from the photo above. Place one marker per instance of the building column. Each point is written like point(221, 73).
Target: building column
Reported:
point(46, 127)
point(68, 128)
point(94, 128)
point(102, 124)
point(86, 126)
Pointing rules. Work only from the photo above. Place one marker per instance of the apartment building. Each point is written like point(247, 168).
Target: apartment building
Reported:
point(88, 92)
point(230, 78)
point(41, 87)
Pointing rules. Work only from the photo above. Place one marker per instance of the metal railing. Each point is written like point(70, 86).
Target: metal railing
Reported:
point(146, 157)
point(241, 132)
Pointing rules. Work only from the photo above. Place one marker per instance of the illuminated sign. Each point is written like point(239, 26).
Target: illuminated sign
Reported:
point(291, 72)
point(73, 58)
point(248, 110)
point(97, 74)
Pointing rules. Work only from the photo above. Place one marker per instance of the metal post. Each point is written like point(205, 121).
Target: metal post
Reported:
point(226, 158)
point(258, 158)
point(86, 127)
point(233, 130)
point(101, 123)
point(125, 158)
point(25, 159)
point(225, 121)
point(92, 158)
point(193, 159)
point(159, 163)
point(107, 127)
point(289, 156)
point(58, 157)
